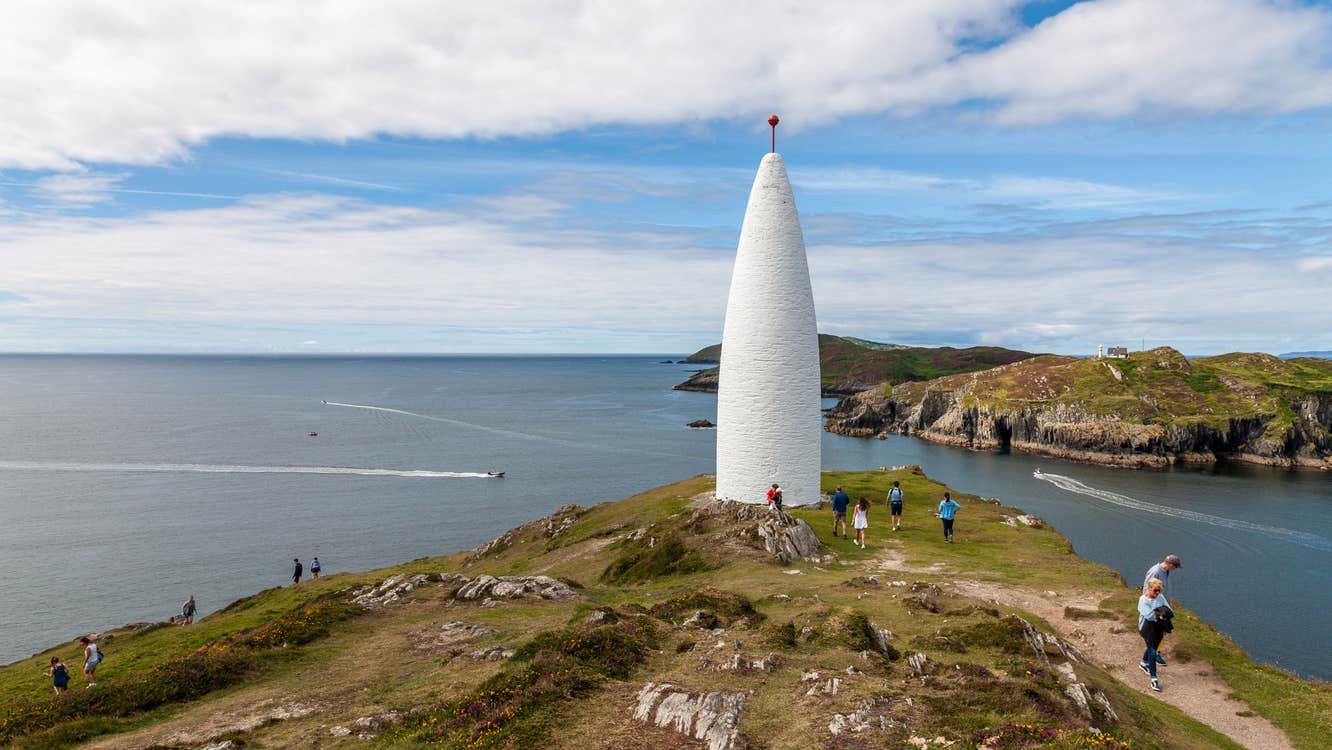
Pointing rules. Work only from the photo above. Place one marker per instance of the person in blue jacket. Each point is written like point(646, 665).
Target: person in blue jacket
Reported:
point(947, 511)
point(840, 500)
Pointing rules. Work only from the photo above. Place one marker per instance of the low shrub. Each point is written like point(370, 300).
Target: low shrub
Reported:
point(1005, 635)
point(725, 604)
point(217, 665)
point(512, 708)
point(1041, 735)
point(641, 561)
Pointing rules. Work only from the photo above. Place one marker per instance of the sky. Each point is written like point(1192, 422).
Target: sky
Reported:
point(538, 177)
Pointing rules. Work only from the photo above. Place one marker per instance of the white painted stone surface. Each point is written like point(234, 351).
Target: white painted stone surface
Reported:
point(769, 426)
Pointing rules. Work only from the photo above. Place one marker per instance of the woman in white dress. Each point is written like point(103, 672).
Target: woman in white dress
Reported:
point(861, 521)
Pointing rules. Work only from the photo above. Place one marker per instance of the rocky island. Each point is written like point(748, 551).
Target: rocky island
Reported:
point(672, 620)
point(1151, 409)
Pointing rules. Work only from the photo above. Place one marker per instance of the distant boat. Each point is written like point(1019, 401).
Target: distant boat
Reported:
point(314, 434)
point(1036, 473)
point(495, 474)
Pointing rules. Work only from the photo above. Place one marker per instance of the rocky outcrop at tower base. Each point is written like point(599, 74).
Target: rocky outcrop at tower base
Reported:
point(1158, 413)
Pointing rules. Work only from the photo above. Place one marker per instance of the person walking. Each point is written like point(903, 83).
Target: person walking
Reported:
point(315, 568)
point(296, 570)
point(1154, 615)
point(861, 520)
point(59, 675)
point(1161, 572)
point(187, 611)
point(947, 512)
point(895, 505)
point(840, 500)
point(92, 656)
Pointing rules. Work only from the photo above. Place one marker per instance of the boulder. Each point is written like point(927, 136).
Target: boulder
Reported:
point(711, 717)
point(388, 591)
point(514, 587)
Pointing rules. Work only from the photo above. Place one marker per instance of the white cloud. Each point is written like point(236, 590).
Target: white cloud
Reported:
point(282, 271)
point(103, 82)
point(76, 190)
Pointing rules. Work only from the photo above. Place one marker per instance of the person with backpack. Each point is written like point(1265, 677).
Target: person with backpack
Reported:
point(296, 570)
point(895, 505)
point(187, 611)
point(59, 675)
point(315, 567)
point(92, 656)
point(840, 500)
point(947, 512)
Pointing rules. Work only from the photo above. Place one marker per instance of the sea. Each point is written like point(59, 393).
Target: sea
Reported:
point(128, 483)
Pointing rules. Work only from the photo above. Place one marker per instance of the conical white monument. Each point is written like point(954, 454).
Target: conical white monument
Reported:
point(769, 425)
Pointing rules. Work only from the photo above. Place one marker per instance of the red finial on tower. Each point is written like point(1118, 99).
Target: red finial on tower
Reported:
point(773, 120)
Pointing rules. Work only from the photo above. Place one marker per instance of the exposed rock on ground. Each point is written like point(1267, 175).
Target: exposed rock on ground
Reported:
point(389, 591)
point(711, 717)
point(515, 587)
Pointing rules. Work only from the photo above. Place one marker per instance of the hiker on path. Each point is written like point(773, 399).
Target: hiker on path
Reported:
point(296, 570)
point(947, 510)
point(315, 567)
point(775, 497)
point(59, 675)
point(895, 505)
point(187, 611)
point(839, 502)
point(1154, 617)
point(1161, 572)
point(92, 656)
point(861, 521)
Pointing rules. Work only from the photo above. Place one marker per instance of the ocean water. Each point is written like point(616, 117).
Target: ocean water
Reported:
point(129, 483)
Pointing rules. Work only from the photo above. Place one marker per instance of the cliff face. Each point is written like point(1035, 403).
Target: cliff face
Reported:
point(1151, 410)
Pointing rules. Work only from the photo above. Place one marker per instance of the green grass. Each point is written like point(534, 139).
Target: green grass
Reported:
point(570, 682)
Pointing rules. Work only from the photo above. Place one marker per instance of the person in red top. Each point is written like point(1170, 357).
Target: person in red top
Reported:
point(772, 492)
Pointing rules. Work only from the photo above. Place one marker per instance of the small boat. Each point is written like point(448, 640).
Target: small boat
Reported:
point(495, 474)
point(314, 434)
point(1036, 473)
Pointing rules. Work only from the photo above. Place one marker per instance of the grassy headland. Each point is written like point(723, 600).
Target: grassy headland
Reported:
point(849, 365)
point(1149, 409)
point(436, 669)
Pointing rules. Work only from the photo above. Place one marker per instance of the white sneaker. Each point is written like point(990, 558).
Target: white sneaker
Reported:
point(1156, 685)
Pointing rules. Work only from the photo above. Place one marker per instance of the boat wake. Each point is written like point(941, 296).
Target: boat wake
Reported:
point(1069, 484)
point(235, 469)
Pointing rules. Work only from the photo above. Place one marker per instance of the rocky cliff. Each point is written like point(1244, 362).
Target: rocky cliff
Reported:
point(1150, 410)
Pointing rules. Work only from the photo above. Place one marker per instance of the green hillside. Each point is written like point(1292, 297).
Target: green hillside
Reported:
point(849, 365)
point(910, 641)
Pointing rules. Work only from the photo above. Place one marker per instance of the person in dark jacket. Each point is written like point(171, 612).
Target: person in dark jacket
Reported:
point(187, 611)
point(296, 570)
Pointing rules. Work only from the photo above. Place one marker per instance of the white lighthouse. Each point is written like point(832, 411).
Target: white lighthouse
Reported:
point(769, 425)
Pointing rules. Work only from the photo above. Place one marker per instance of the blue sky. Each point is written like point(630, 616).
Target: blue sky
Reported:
point(398, 177)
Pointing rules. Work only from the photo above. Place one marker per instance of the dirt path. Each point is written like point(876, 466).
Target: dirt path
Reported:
point(1194, 688)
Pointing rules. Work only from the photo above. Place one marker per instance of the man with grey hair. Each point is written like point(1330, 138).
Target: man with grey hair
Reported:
point(1161, 572)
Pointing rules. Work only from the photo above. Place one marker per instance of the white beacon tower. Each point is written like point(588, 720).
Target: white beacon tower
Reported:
point(769, 424)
